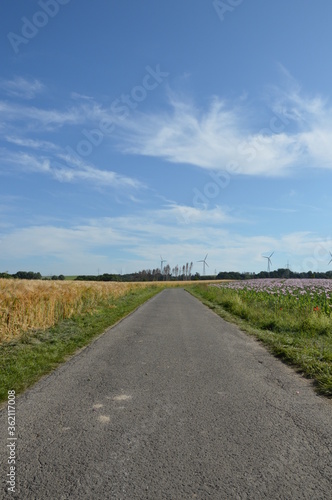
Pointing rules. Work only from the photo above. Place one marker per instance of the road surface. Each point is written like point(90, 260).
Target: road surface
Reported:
point(172, 403)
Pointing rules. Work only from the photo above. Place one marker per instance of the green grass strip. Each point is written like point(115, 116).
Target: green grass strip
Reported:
point(25, 360)
point(309, 351)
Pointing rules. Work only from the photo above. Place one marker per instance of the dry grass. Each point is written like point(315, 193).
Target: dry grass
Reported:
point(32, 304)
point(29, 305)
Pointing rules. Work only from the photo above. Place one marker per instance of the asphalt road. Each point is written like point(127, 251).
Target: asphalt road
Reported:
point(172, 403)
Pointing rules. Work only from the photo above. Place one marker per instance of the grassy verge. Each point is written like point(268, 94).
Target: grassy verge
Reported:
point(24, 360)
point(295, 341)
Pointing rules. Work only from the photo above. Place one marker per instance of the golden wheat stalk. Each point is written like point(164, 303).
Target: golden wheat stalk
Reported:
point(30, 305)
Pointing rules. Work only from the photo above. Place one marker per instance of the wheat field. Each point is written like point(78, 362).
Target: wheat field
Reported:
point(28, 305)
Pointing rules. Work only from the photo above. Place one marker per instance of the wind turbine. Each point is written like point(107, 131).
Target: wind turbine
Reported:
point(161, 264)
point(204, 263)
point(330, 260)
point(269, 263)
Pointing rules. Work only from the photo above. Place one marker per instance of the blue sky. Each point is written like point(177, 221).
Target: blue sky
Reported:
point(131, 130)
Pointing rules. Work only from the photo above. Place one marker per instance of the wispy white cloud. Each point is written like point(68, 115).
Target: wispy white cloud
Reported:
point(36, 118)
point(96, 177)
point(290, 101)
point(223, 137)
point(72, 169)
point(69, 170)
point(31, 143)
point(22, 87)
point(25, 162)
point(185, 214)
point(77, 96)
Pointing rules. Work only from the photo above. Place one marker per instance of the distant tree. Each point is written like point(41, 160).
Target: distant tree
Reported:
point(167, 271)
point(30, 275)
point(5, 275)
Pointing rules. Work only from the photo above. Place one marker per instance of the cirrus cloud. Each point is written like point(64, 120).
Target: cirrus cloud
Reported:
point(223, 137)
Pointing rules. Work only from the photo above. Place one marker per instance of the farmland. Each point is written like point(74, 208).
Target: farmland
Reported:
point(43, 323)
point(29, 305)
point(292, 317)
point(292, 305)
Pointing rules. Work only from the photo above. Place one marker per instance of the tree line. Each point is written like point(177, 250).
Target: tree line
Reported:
point(279, 273)
point(30, 275)
point(177, 273)
point(165, 274)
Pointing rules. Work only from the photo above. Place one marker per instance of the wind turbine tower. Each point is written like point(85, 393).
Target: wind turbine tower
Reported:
point(204, 263)
point(269, 262)
point(161, 264)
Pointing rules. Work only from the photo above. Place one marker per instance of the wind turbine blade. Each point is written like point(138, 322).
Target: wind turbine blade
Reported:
point(206, 256)
point(207, 264)
point(271, 255)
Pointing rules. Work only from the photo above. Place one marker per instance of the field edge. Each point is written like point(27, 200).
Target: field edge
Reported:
point(268, 339)
point(26, 360)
